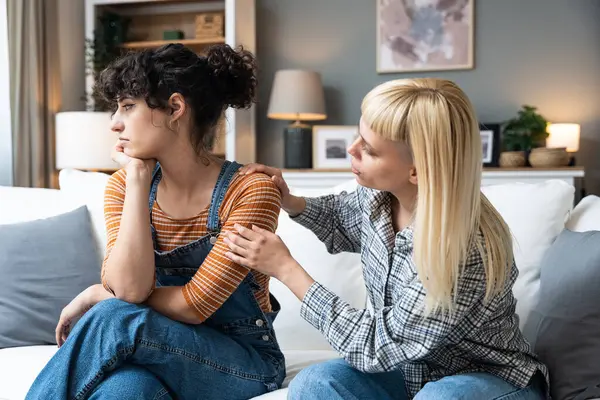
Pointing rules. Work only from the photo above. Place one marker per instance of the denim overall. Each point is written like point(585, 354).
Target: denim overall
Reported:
point(129, 351)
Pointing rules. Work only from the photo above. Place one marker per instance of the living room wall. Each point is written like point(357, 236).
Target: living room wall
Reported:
point(540, 52)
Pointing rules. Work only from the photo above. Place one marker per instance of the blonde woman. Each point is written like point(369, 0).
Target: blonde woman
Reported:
point(437, 259)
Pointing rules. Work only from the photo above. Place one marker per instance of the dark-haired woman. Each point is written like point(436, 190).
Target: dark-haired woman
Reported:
point(173, 317)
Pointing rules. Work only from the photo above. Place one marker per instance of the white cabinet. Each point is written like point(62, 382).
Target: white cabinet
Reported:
point(316, 181)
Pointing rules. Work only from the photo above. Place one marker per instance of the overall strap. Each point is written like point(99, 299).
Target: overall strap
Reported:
point(227, 171)
point(156, 177)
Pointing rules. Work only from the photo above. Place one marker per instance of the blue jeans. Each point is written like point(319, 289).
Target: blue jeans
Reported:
point(127, 351)
point(336, 379)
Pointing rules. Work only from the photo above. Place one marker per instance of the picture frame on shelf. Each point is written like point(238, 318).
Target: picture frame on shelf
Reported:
point(330, 144)
point(490, 143)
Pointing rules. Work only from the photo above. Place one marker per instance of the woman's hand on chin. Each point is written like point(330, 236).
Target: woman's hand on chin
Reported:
point(135, 167)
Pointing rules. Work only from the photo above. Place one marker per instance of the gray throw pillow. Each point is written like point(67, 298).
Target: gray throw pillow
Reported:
point(564, 326)
point(44, 264)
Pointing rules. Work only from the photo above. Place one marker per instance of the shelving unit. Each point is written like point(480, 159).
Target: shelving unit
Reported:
point(150, 18)
point(187, 42)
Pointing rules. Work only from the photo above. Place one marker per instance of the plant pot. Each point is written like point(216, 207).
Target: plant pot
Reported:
point(549, 158)
point(512, 159)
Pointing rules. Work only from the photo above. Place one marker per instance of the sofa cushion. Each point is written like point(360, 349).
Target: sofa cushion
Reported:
point(87, 188)
point(536, 214)
point(18, 204)
point(342, 273)
point(586, 215)
point(564, 326)
point(48, 262)
point(19, 366)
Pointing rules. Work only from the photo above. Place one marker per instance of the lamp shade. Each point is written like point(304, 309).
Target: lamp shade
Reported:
point(84, 141)
point(563, 135)
point(297, 95)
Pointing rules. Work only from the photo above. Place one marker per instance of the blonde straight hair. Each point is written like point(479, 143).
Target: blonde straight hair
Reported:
point(452, 217)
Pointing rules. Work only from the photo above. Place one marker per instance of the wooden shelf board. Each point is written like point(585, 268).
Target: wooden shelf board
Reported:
point(185, 42)
point(487, 169)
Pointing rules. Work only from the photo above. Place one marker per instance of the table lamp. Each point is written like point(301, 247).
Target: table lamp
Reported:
point(297, 95)
point(564, 136)
point(84, 141)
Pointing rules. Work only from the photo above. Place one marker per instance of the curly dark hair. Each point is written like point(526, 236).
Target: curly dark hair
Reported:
point(209, 83)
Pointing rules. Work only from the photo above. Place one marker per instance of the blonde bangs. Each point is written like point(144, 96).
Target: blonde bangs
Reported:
point(384, 110)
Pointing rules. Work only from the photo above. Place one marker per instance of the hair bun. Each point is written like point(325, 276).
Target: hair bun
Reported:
point(235, 73)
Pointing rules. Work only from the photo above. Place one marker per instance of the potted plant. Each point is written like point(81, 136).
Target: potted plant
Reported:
point(520, 135)
point(102, 49)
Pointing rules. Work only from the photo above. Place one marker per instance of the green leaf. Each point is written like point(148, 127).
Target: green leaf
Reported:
point(103, 49)
point(526, 131)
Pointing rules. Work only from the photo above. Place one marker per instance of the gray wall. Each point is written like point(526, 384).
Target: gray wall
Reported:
point(540, 52)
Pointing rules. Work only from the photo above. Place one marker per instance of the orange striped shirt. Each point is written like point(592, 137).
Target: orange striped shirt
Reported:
point(250, 200)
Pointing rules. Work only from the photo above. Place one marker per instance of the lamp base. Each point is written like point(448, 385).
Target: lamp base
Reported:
point(298, 147)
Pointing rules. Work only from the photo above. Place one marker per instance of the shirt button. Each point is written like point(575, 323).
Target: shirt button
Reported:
point(265, 338)
point(259, 322)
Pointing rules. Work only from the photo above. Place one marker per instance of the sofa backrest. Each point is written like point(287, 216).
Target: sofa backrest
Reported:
point(535, 213)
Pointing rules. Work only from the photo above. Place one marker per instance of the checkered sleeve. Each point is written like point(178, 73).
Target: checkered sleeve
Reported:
point(335, 219)
point(399, 333)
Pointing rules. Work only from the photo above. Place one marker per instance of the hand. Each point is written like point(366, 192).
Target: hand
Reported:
point(265, 252)
point(134, 166)
point(288, 202)
point(260, 250)
point(76, 308)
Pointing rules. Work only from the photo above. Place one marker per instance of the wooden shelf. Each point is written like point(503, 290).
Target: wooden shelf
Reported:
point(186, 42)
point(485, 169)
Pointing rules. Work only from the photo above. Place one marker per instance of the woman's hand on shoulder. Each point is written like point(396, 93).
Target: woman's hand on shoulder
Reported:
point(136, 168)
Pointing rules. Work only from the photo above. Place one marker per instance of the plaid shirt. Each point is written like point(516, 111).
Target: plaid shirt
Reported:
point(478, 336)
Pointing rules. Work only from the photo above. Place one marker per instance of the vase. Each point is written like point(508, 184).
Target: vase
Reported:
point(512, 159)
point(544, 157)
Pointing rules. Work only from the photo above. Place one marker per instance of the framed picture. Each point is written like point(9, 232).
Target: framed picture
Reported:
point(330, 144)
point(431, 35)
point(490, 144)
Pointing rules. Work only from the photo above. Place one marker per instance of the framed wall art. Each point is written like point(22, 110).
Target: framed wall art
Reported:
point(429, 35)
point(490, 144)
point(330, 144)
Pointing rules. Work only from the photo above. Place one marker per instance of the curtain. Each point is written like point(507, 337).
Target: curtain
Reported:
point(35, 89)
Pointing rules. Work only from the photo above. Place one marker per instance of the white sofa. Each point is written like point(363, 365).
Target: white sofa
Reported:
point(536, 214)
